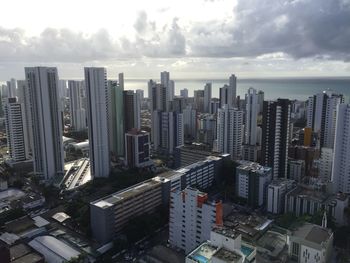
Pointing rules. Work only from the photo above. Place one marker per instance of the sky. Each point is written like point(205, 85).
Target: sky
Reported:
point(190, 38)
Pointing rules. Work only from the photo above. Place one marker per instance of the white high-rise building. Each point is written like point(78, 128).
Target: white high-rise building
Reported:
point(77, 113)
point(46, 121)
point(276, 193)
point(341, 157)
point(167, 130)
point(321, 115)
point(184, 93)
point(250, 127)
point(140, 93)
point(190, 121)
point(97, 115)
point(24, 98)
point(192, 217)
point(207, 97)
point(229, 131)
point(325, 166)
point(16, 131)
point(11, 88)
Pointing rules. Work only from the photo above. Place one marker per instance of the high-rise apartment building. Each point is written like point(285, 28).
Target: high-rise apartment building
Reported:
point(137, 149)
point(46, 121)
point(77, 113)
point(116, 120)
point(199, 100)
point(275, 136)
point(11, 88)
point(132, 110)
point(16, 131)
point(207, 97)
point(251, 115)
point(228, 93)
point(98, 115)
point(190, 121)
point(229, 131)
point(252, 181)
point(341, 157)
point(167, 131)
point(24, 98)
point(192, 217)
point(184, 93)
point(321, 115)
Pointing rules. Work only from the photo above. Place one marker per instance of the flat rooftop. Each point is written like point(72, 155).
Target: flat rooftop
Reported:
point(226, 231)
point(309, 194)
point(227, 255)
point(281, 181)
point(203, 253)
point(113, 199)
point(253, 167)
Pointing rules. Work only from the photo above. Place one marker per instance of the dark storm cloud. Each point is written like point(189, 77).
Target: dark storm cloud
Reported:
point(300, 28)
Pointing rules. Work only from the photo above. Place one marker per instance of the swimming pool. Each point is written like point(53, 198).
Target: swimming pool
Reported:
point(246, 250)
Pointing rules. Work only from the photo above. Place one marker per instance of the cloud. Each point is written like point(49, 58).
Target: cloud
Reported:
point(299, 28)
point(263, 29)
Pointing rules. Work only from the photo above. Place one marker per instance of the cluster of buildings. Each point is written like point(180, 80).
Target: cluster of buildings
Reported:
point(280, 166)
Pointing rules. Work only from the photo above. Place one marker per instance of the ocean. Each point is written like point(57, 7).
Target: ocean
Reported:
point(291, 88)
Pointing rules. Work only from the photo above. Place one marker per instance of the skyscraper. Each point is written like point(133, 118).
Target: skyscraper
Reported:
point(199, 100)
point(190, 120)
point(132, 110)
point(341, 157)
point(228, 92)
point(46, 121)
point(77, 113)
point(207, 97)
point(157, 96)
point(116, 120)
point(251, 117)
point(24, 98)
point(184, 93)
point(229, 131)
point(16, 131)
point(137, 149)
point(169, 87)
point(97, 115)
point(167, 131)
point(275, 136)
point(321, 115)
point(11, 88)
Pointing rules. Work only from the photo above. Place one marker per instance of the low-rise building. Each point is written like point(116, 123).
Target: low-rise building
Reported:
point(225, 246)
point(311, 243)
point(78, 173)
point(305, 199)
point(109, 215)
point(192, 216)
point(252, 180)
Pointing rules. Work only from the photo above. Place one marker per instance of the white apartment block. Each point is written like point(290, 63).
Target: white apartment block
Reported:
point(341, 157)
point(77, 112)
point(230, 131)
point(46, 121)
point(325, 164)
point(192, 217)
point(16, 131)
point(276, 192)
point(97, 115)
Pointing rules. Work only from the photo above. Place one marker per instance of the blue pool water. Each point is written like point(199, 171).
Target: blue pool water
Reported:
point(246, 250)
point(200, 258)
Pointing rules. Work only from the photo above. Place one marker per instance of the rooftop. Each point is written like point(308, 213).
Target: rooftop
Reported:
point(313, 233)
point(113, 199)
point(253, 167)
point(310, 194)
point(227, 255)
point(225, 231)
point(281, 181)
point(203, 253)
